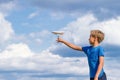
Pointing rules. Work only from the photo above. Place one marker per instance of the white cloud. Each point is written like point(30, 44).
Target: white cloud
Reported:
point(20, 57)
point(7, 6)
point(112, 68)
point(16, 50)
point(6, 30)
point(111, 29)
point(16, 56)
point(78, 31)
point(34, 14)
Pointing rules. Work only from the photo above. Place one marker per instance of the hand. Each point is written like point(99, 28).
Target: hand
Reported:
point(96, 78)
point(59, 39)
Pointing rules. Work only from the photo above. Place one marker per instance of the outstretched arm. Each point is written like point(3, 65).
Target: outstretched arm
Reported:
point(69, 44)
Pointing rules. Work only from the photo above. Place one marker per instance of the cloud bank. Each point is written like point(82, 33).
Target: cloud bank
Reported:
point(25, 64)
point(78, 32)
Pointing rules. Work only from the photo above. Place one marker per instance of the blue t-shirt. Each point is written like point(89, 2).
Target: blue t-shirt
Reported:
point(93, 54)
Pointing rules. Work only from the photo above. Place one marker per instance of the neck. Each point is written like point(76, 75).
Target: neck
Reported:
point(95, 44)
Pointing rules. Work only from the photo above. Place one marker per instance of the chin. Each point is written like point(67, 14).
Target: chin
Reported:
point(91, 44)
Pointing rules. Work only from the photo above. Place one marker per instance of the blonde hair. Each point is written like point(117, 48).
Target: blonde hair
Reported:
point(98, 34)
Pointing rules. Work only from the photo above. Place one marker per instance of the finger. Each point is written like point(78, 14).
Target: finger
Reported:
point(57, 40)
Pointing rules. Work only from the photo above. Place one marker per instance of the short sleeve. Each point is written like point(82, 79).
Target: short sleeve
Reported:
point(101, 51)
point(85, 49)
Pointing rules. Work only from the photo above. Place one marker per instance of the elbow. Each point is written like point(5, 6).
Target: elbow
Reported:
point(78, 48)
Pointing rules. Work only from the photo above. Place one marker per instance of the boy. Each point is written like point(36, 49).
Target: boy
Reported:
point(95, 54)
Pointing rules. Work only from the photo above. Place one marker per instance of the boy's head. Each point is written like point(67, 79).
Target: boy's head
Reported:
point(96, 35)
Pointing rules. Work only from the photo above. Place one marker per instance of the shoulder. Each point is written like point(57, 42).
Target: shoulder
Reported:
point(85, 48)
point(101, 48)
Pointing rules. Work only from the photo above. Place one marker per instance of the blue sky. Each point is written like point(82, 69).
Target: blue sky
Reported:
point(28, 49)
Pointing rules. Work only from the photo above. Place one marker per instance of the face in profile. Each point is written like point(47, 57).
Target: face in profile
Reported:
point(91, 40)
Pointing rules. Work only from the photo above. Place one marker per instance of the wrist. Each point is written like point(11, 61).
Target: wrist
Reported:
point(62, 41)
